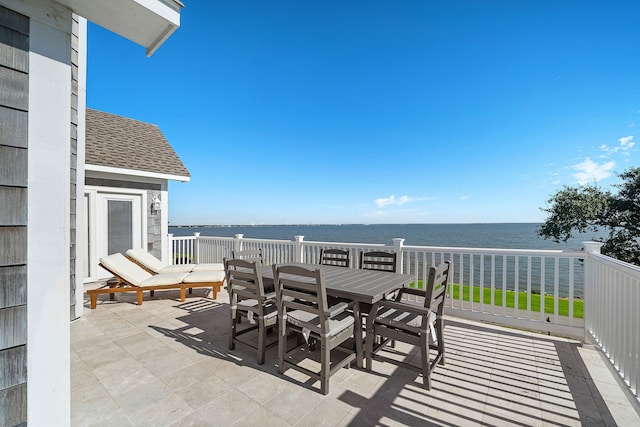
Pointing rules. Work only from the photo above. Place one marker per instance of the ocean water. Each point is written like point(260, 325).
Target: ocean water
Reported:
point(494, 235)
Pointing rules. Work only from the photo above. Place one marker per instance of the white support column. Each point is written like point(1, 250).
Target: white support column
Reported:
point(299, 254)
point(397, 244)
point(49, 191)
point(237, 244)
point(588, 293)
point(196, 242)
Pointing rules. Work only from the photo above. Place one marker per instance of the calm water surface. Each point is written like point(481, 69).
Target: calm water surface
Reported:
point(500, 235)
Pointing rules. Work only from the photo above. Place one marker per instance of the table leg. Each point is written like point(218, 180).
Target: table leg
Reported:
point(357, 332)
point(369, 335)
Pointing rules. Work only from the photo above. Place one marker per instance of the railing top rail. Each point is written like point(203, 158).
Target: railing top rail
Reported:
point(497, 251)
point(626, 268)
point(215, 238)
point(257, 240)
point(346, 244)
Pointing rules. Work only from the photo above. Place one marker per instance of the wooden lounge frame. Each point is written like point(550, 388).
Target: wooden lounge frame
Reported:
point(120, 285)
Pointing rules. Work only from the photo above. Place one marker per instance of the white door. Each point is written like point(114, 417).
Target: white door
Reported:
point(115, 224)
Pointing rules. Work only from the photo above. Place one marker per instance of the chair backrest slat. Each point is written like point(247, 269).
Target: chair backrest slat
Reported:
point(243, 278)
point(437, 286)
point(249, 255)
point(378, 260)
point(335, 257)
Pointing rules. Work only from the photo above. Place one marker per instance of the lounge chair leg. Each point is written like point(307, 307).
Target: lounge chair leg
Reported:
point(183, 294)
point(190, 291)
point(139, 297)
point(94, 300)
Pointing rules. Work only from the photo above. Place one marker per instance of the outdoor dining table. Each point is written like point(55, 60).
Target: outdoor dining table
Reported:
point(363, 286)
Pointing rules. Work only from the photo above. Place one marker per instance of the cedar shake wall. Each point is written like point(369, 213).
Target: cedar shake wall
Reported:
point(154, 226)
point(74, 166)
point(14, 91)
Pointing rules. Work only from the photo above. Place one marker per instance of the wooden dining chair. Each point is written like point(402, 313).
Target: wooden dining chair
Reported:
point(247, 297)
point(408, 322)
point(335, 257)
point(378, 261)
point(303, 310)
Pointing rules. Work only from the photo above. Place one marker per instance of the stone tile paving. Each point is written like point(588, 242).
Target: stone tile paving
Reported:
point(166, 363)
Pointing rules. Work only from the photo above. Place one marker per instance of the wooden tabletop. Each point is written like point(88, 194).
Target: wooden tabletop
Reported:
point(354, 284)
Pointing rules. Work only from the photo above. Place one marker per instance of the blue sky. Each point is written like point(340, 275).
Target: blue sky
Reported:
point(408, 111)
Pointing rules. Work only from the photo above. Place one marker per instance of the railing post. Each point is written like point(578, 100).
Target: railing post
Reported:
point(299, 252)
point(589, 283)
point(170, 249)
point(196, 243)
point(237, 244)
point(397, 244)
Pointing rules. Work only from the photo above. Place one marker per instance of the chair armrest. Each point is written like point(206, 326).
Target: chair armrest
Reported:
point(337, 309)
point(413, 291)
point(411, 308)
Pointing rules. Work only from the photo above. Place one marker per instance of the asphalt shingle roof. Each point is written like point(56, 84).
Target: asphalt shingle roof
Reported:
point(120, 142)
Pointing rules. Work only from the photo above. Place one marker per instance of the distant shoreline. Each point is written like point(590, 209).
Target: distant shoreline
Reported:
point(344, 224)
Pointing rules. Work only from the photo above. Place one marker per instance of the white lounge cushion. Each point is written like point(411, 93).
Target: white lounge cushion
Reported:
point(212, 266)
point(146, 259)
point(178, 268)
point(165, 279)
point(204, 277)
point(304, 319)
point(126, 269)
point(155, 265)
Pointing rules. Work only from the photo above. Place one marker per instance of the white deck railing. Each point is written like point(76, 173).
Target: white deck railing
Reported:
point(612, 307)
point(551, 291)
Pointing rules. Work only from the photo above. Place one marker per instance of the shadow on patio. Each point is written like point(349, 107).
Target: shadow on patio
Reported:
point(167, 363)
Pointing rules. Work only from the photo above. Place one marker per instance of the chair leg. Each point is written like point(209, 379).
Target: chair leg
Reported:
point(282, 345)
point(440, 337)
point(426, 366)
point(232, 328)
point(325, 366)
point(370, 337)
point(262, 332)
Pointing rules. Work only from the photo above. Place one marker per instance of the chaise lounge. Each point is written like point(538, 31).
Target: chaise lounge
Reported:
point(154, 266)
point(130, 277)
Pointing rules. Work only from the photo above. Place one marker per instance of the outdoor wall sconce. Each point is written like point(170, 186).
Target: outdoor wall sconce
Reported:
point(156, 203)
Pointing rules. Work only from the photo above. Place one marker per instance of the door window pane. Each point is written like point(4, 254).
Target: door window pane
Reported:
point(120, 226)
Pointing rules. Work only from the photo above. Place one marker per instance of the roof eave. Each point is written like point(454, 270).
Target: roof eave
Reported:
point(139, 173)
point(148, 23)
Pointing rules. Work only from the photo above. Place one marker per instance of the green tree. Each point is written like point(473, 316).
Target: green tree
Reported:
point(590, 208)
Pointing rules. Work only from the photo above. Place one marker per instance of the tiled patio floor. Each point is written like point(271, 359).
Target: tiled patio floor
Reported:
point(167, 363)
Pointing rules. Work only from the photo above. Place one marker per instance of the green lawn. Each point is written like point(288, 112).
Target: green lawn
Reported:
point(563, 303)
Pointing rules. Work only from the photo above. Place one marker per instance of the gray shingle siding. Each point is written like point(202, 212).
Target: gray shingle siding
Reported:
point(14, 96)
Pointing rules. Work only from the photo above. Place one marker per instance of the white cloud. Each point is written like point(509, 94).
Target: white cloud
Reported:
point(590, 171)
point(625, 147)
point(392, 200)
